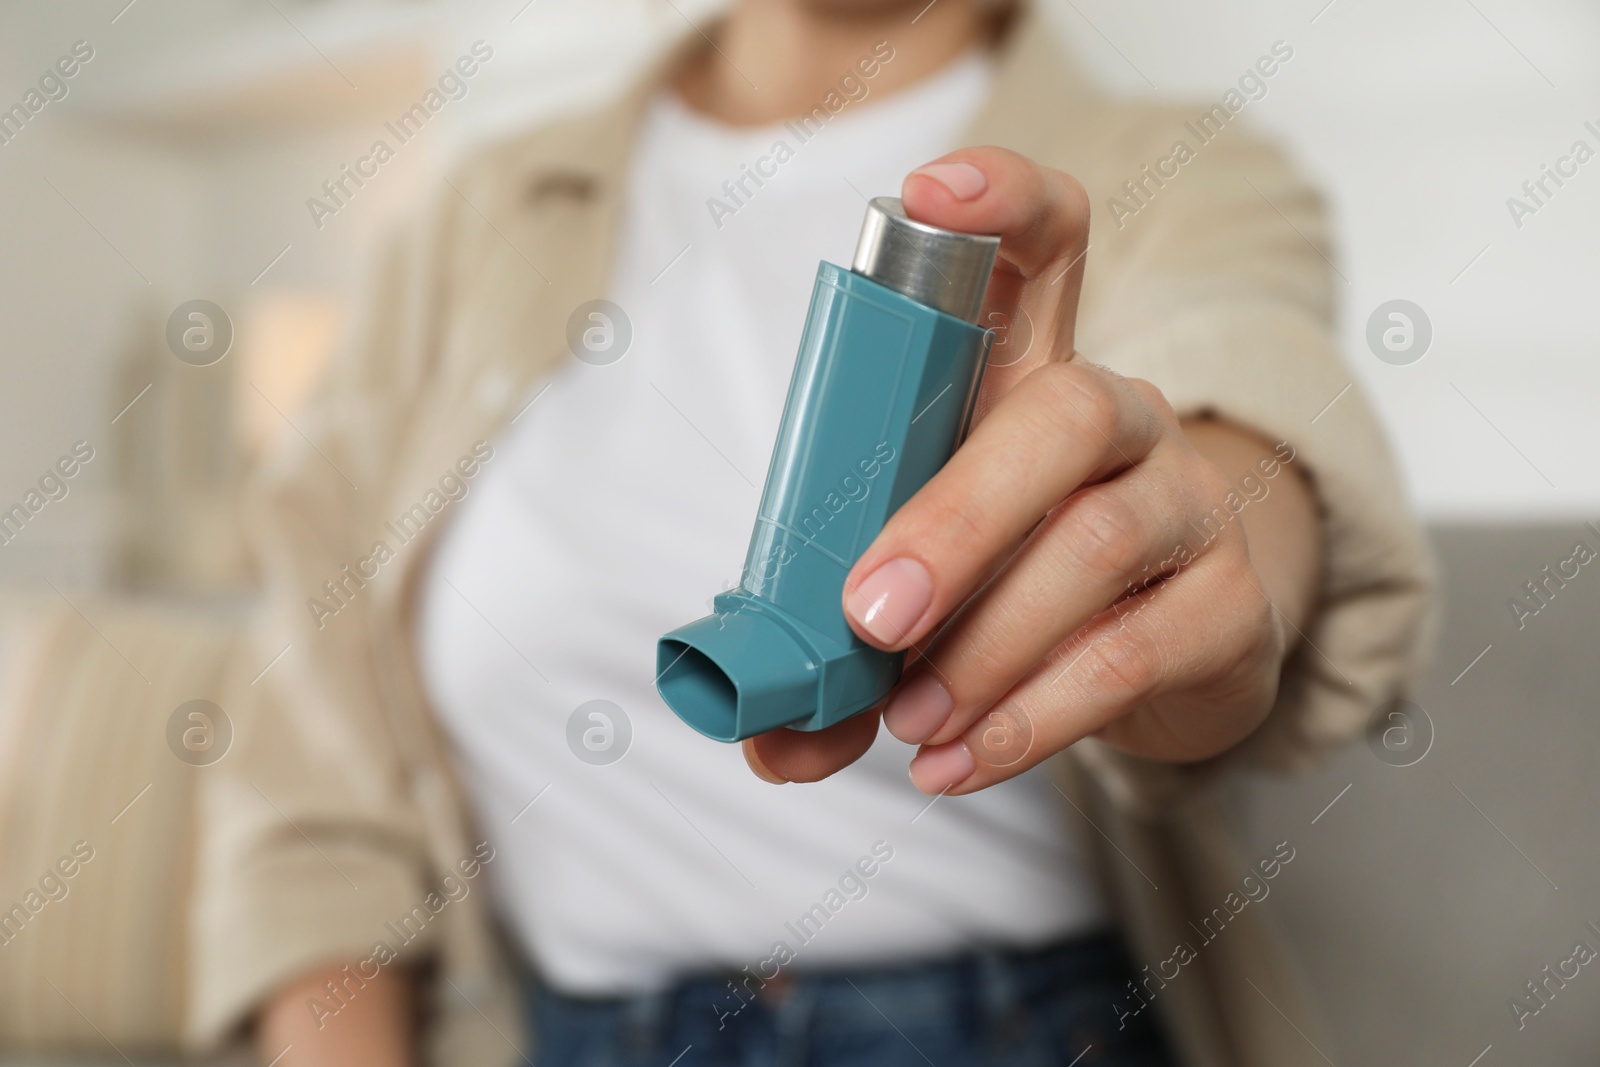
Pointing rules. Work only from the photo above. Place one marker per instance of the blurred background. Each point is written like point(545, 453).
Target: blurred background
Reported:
point(1440, 872)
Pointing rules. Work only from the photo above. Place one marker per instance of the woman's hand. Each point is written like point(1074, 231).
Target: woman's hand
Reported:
point(1079, 567)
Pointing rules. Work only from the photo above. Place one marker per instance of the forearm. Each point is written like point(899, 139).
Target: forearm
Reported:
point(369, 1022)
point(1283, 527)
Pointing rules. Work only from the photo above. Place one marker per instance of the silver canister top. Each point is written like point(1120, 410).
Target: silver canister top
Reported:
point(941, 269)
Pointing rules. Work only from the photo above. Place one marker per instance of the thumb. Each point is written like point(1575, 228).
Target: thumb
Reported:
point(1042, 217)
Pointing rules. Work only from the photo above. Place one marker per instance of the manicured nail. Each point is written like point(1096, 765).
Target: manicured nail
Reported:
point(939, 768)
point(918, 709)
point(890, 600)
point(964, 181)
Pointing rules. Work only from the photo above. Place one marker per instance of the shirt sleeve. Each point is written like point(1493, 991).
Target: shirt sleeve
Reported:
point(1218, 286)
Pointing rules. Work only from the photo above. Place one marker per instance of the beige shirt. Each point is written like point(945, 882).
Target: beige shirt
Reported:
point(335, 821)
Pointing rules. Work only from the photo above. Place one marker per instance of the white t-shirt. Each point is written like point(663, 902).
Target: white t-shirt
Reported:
point(613, 509)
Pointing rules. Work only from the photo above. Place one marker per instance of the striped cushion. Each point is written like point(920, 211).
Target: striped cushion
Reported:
point(86, 691)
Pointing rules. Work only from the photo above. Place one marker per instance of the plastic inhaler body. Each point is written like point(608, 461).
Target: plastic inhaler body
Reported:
point(882, 392)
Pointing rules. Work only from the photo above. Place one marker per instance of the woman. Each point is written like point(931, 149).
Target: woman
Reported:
point(1153, 569)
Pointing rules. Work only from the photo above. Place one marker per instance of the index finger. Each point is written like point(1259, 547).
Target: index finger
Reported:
point(1064, 426)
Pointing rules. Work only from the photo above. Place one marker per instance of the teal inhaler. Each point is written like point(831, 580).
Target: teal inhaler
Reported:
point(883, 388)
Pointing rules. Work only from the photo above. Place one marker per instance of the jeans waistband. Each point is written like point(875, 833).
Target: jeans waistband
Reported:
point(992, 986)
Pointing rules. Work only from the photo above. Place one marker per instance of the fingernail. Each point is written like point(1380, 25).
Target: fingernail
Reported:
point(939, 768)
point(890, 600)
point(761, 770)
point(964, 181)
point(918, 709)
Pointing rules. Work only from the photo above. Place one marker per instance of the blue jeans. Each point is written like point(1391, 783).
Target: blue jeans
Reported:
point(1048, 1008)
